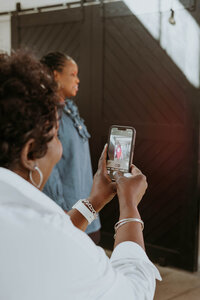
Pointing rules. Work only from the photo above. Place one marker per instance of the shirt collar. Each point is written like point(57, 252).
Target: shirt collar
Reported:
point(71, 108)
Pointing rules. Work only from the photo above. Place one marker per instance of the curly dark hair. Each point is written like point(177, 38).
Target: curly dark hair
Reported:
point(28, 107)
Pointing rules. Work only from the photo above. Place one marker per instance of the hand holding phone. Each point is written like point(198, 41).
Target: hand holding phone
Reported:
point(121, 141)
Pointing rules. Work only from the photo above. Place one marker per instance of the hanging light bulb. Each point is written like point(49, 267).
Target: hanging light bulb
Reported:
point(171, 18)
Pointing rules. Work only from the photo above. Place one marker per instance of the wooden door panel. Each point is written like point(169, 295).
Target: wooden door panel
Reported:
point(143, 88)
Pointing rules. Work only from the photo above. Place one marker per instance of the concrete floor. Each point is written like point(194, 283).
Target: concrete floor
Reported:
point(177, 285)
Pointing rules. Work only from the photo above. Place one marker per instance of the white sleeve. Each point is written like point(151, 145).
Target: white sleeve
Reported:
point(128, 274)
point(135, 271)
point(63, 263)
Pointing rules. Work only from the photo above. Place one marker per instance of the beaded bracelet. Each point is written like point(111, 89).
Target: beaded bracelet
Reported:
point(86, 209)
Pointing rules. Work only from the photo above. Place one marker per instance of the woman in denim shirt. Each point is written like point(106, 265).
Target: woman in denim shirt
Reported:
point(71, 179)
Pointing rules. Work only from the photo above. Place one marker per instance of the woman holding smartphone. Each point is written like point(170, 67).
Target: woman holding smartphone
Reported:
point(44, 253)
point(66, 187)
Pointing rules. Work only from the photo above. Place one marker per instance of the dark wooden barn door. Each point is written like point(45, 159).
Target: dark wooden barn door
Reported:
point(127, 79)
point(143, 88)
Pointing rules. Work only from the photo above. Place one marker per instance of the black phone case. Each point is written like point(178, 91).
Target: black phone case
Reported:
point(111, 170)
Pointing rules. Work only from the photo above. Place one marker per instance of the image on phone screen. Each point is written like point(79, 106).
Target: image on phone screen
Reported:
point(120, 148)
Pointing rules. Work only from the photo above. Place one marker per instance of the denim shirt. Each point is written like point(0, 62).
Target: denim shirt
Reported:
point(71, 179)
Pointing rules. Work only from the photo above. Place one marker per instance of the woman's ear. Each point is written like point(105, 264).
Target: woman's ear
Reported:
point(56, 75)
point(26, 161)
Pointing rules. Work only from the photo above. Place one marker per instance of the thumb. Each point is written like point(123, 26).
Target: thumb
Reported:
point(117, 175)
point(113, 187)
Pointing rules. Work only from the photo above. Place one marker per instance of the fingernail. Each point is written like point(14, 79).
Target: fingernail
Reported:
point(127, 174)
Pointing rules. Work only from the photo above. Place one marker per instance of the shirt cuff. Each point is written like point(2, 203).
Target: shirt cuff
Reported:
point(130, 250)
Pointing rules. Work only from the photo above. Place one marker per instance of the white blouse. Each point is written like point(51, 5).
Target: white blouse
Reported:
point(43, 256)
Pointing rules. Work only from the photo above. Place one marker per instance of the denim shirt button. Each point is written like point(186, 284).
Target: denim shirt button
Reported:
point(80, 127)
point(69, 111)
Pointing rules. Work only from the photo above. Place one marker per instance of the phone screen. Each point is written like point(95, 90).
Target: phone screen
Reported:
point(120, 149)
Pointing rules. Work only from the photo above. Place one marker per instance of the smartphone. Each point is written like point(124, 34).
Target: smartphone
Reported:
point(121, 142)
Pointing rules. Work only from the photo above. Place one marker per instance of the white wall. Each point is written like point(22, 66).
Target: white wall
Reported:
point(180, 41)
point(5, 36)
